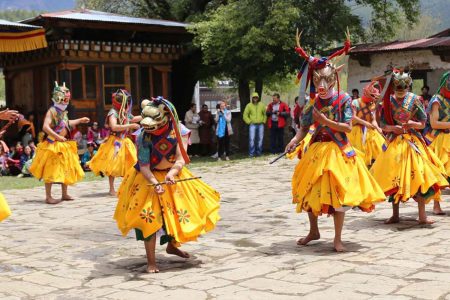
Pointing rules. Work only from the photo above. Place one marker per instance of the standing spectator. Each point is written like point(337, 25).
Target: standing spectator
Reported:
point(205, 129)
point(255, 117)
point(425, 97)
point(355, 94)
point(223, 131)
point(295, 116)
point(191, 120)
point(278, 112)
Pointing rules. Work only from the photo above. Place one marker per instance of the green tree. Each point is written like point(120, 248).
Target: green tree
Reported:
point(17, 14)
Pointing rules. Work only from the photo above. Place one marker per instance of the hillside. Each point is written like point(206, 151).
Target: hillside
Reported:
point(39, 5)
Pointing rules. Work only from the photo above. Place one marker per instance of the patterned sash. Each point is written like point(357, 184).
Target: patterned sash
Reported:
point(340, 138)
point(429, 133)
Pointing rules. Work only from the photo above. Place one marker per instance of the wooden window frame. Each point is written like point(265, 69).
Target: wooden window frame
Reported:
point(70, 68)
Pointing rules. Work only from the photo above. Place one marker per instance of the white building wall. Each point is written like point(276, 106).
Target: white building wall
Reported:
point(381, 61)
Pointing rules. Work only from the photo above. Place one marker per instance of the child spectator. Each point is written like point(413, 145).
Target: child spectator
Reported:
point(87, 156)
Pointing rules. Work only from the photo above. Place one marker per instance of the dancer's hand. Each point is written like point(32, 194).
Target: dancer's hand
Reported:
point(319, 117)
point(60, 138)
point(159, 189)
point(170, 179)
point(397, 129)
point(133, 126)
point(84, 120)
point(291, 146)
point(9, 115)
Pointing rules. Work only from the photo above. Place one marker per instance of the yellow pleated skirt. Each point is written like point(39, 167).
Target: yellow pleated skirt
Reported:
point(441, 147)
point(57, 162)
point(301, 148)
point(114, 157)
point(370, 145)
point(4, 208)
point(407, 168)
point(186, 209)
point(324, 178)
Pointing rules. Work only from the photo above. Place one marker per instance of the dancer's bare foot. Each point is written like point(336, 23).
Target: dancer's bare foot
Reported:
point(51, 200)
point(437, 210)
point(171, 249)
point(112, 193)
point(392, 220)
point(310, 237)
point(338, 246)
point(426, 222)
point(152, 269)
point(67, 197)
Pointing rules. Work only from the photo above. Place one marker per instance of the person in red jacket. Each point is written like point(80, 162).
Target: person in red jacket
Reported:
point(277, 113)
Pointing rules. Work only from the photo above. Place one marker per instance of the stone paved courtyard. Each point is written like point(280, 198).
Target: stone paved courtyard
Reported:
point(74, 251)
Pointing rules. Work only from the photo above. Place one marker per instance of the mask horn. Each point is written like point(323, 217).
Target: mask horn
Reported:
point(56, 83)
point(144, 103)
point(64, 84)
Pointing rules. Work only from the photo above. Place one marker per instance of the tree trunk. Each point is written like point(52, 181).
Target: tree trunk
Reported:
point(244, 98)
point(259, 87)
point(244, 92)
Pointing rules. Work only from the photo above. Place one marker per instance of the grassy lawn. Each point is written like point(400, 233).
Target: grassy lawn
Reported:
point(12, 182)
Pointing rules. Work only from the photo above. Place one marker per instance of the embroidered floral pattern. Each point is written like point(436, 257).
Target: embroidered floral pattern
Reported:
point(183, 216)
point(148, 215)
point(396, 181)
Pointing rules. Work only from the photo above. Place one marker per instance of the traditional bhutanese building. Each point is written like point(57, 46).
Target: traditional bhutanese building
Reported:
point(428, 58)
point(95, 53)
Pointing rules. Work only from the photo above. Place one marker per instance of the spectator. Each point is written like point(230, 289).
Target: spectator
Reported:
point(12, 150)
point(191, 120)
point(255, 117)
point(14, 162)
point(295, 115)
point(87, 156)
point(93, 134)
point(277, 113)
point(205, 129)
point(425, 97)
point(25, 162)
point(4, 170)
point(355, 94)
point(223, 131)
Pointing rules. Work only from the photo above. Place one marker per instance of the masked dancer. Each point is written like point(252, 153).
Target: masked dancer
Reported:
point(56, 159)
point(437, 131)
point(118, 153)
point(408, 168)
point(160, 195)
point(329, 178)
point(366, 136)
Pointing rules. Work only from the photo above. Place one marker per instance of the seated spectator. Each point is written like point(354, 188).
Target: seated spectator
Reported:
point(88, 155)
point(93, 134)
point(26, 158)
point(14, 162)
point(4, 169)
